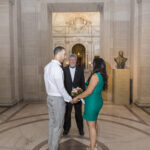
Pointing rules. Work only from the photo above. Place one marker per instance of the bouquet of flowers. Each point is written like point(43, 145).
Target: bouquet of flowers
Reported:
point(77, 91)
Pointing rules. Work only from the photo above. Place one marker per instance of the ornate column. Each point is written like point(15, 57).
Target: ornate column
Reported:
point(143, 66)
point(10, 81)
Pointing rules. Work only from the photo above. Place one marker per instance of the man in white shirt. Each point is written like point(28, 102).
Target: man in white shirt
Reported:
point(56, 96)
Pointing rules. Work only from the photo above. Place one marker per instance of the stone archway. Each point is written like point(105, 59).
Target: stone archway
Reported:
point(79, 50)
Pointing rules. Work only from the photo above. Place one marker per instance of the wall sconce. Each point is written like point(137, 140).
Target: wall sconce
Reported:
point(89, 62)
point(67, 62)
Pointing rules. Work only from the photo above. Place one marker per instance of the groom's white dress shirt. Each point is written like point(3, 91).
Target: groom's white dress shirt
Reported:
point(54, 80)
point(72, 72)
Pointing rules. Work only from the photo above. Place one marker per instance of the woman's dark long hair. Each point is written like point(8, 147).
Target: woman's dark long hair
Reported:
point(99, 66)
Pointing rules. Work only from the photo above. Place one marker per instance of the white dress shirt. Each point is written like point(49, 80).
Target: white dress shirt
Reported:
point(54, 80)
point(72, 72)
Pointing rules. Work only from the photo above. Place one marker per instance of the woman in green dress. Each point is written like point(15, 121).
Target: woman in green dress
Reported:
point(93, 97)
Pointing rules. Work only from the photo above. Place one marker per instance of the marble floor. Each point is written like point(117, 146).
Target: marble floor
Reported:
point(25, 127)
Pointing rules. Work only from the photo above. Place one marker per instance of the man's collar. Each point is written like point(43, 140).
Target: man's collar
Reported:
point(56, 61)
point(72, 67)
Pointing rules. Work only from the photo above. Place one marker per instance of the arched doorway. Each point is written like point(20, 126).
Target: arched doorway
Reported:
point(79, 50)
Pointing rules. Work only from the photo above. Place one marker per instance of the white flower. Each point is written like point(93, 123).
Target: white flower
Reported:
point(74, 91)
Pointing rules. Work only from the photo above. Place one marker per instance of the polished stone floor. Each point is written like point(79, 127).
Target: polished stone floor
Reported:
point(25, 127)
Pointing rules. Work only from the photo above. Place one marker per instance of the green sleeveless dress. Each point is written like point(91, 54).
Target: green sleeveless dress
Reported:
point(94, 102)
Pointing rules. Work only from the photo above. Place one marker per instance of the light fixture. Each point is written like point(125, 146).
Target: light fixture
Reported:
point(78, 53)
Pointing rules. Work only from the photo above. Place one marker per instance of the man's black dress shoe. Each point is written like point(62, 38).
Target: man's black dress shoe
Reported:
point(81, 133)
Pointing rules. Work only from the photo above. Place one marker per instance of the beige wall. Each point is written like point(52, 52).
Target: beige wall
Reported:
point(124, 26)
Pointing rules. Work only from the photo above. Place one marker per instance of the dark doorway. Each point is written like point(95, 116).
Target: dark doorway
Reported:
point(79, 50)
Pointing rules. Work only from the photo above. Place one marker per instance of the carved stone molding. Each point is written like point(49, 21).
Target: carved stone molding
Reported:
point(78, 23)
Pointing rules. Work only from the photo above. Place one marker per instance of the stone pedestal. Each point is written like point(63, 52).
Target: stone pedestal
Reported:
point(121, 86)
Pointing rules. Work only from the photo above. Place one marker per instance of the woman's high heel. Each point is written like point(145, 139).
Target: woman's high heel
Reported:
point(95, 148)
point(88, 148)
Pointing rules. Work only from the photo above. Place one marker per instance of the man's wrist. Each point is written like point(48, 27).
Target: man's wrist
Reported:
point(70, 99)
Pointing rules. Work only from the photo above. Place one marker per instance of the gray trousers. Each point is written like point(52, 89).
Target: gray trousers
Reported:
point(56, 108)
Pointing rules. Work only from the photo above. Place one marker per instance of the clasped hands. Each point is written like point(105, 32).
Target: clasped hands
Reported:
point(75, 100)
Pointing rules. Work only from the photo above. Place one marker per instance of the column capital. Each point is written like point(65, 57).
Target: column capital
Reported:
point(12, 2)
point(139, 1)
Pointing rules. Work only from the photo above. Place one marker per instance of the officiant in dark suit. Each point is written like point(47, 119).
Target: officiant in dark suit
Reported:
point(73, 78)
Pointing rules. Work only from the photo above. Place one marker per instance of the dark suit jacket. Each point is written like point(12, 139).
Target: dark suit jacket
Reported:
point(79, 80)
